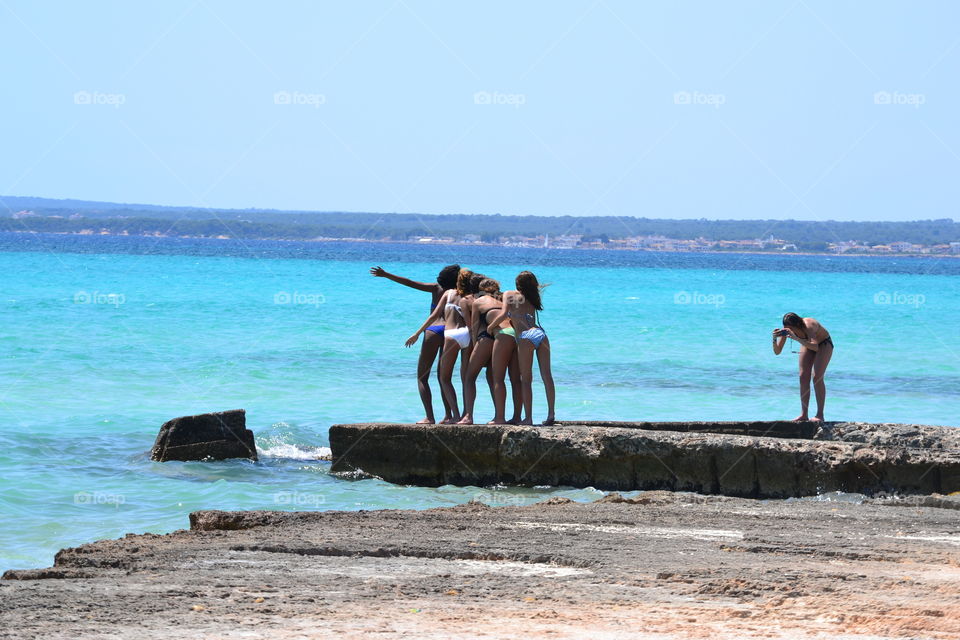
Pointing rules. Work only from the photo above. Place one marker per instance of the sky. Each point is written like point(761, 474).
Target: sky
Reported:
point(796, 109)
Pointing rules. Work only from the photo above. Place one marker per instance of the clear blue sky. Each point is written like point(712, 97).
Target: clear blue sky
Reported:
point(583, 115)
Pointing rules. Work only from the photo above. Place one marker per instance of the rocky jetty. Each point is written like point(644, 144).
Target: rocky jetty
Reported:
point(207, 436)
point(744, 459)
point(657, 564)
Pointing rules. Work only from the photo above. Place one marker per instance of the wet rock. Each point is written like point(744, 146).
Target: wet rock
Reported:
point(207, 436)
point(46, 574)
point(743, 459)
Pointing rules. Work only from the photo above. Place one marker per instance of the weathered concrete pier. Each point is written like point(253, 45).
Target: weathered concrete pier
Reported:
point(743, 459)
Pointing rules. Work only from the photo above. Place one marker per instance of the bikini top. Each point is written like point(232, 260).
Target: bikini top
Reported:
point(529, 317)
point(455, 306)
point(483, 316)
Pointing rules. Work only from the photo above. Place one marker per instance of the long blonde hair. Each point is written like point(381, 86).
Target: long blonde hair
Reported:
point(463, 282)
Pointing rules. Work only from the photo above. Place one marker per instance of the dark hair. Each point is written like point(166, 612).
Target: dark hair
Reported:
point(447, 278)
point(475, 281)
point(491, 287)
point(527, 285)
point(792, 320)
point(463, 282)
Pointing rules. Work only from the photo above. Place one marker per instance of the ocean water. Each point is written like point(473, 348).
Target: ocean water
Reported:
point(104, 338)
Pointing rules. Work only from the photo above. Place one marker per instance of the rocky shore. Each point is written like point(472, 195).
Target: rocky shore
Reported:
point(745, 459)
point(657, 565)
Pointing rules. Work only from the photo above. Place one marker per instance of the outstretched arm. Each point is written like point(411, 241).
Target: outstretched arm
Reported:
point(380, 272)
point(433, 317)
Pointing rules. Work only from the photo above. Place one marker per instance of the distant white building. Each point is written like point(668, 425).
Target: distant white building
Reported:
point(762, 243)
point(844, 246)
point(565, 242)
point(650, 241)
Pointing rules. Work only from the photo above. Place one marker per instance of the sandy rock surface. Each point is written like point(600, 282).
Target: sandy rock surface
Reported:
point(661, 565)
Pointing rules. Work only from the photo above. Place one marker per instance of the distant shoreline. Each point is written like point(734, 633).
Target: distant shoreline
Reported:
point(499, 246)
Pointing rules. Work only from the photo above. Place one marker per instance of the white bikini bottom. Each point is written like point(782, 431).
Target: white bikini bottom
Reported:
point(461, 335)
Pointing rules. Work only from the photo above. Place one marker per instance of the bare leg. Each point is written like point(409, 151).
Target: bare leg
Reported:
point(516, 389)
point(806, 368)
point(490, 373)
point(503, 351)
point(465, 361)
point(429, 347)
point(478, 359)
point(448, 359)
point(525, 355)
point(546, 375)
point(820, 362)
point(447, 413)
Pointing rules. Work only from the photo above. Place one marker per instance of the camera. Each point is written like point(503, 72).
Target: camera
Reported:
point(782, 333)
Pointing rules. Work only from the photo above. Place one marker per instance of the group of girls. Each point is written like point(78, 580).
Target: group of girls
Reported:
point(472, 319)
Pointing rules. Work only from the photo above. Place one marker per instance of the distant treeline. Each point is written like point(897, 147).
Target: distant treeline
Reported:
point(398, 226)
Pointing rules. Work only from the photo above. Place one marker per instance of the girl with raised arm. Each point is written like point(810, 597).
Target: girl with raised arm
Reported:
point(485, 306)
point(815, 354)
point(521, 307)
point(433, 337)
point(454, 308)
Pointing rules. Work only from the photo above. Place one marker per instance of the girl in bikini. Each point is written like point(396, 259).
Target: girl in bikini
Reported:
point(454, 308)
point(815, 354)
point(473, 294)
point(485, 306)
point(433, 337)
point(521, 307)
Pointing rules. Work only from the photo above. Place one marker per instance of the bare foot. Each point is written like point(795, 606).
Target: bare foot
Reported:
point(818, 419)
point(495, 421)
point(426, 421)
point(528, 422)
point(513, 421)
point(801, 419)
point(466, 419)
point(447, 421)
point(549, 422)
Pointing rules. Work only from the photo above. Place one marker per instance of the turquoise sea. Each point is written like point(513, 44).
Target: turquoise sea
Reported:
point(105, 338)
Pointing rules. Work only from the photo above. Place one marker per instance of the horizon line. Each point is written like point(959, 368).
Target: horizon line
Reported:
point(418, 213)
